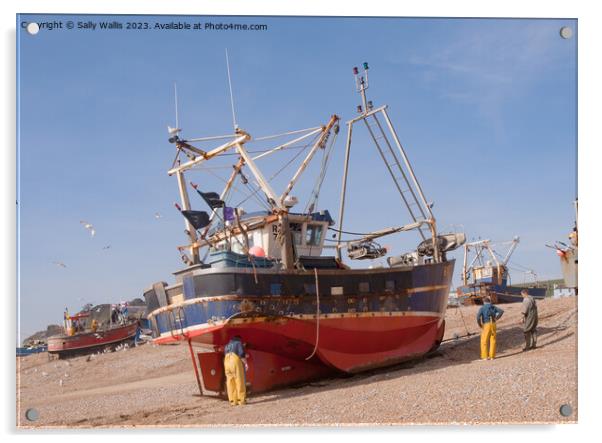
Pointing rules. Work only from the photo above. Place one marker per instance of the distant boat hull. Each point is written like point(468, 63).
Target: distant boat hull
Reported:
point(569, 266)
point(287, 342)
point(65, 345)
point(23, 352)
point(498, 293)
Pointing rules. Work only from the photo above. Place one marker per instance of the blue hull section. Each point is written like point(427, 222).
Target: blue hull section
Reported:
point(214, 296)
point(22, 352)
point(500, 293)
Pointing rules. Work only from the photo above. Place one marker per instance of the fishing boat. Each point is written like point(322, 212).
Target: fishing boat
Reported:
point(569, 257)
point(277, 280)
point(93, 330)
point(485, 273)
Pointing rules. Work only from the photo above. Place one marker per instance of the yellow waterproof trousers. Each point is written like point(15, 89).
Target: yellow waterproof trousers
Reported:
point(235, 379)
point(488, 340)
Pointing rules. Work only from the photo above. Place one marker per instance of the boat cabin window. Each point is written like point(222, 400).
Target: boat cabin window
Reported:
point(309, 288)
point(390, 285)
point(313, 235)
point(276, 288)
point(296, 230)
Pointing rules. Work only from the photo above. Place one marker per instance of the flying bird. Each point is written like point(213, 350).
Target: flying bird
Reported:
point(106, 247)
point(158, 215)
point(89, 227)
point(59, 263)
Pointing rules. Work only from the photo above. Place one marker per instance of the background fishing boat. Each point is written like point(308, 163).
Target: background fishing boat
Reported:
point(487, 275)
point(98, 328)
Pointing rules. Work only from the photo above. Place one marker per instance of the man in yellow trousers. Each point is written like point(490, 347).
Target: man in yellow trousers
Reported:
point(487, 316)
point(235, 364)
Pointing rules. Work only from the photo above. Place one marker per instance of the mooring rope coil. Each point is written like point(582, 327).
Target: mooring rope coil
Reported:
point(317, 315)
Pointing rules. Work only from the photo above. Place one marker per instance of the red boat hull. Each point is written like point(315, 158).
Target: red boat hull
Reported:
point(358, 320)
point(90, 341)
point(285, 351)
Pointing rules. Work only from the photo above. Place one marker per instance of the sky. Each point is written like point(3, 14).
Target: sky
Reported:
point(485, 108)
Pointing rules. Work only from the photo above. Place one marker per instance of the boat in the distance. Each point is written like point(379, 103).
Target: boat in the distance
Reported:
point(98, 328)
point(485, 273)
point(569, 257)
point(266, 276)
point(32, 348)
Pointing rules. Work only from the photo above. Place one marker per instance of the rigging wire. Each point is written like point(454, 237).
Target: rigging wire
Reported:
point(261, 202)
point(261, 151)
point(514, 263)
point(286, 165)
point(363, 234)
point(268, 137)
point(315, 193)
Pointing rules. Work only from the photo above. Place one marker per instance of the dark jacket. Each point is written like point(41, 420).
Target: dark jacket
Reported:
point(488, 313)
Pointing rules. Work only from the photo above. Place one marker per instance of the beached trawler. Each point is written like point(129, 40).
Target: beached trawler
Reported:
point(301, 314)
point(92, 330)
point(485, 273)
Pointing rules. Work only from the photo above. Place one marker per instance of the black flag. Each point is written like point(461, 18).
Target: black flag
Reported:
point(198, 219)
point(211, 198)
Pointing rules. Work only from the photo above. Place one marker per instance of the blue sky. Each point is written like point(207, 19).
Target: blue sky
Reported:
point(486, 110)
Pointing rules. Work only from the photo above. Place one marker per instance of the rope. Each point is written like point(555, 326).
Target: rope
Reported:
point(261, 202)
point(468, 333)
point(299, 131)
point(462, 315)
point(363, 234)
point(315, 194)
point(258, 151)
point(317, 315)
point(287, 164)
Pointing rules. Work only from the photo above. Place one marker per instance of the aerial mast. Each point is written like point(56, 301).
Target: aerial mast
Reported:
point(396, 162)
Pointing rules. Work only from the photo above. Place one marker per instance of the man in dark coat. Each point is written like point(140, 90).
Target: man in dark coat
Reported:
point(529, 312)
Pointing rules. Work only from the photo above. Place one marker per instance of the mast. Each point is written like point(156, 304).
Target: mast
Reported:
point(194, 251)
point(396, 162)
point(515, 241)
point(344, 190)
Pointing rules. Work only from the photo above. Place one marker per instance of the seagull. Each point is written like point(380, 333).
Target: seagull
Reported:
point(158, 215)
point(89, 227)
point(173, 131)
point(59, 263)
point(106, 247)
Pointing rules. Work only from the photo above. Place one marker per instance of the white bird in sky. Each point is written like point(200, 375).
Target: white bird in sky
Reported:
point(89, 227)
point(173, 131)
point(59, 263)
point(158, 215)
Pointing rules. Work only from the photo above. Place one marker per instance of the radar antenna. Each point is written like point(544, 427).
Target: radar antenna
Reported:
point(231, 94)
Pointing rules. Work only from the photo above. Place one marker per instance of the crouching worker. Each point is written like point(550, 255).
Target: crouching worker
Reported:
point(486, 317)
point(234, 360)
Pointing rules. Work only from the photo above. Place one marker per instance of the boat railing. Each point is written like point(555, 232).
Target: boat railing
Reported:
point(175, 322)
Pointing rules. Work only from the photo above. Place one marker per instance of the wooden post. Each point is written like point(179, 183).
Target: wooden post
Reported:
point(194, 250)
point(196, 370)
point(287, 245)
